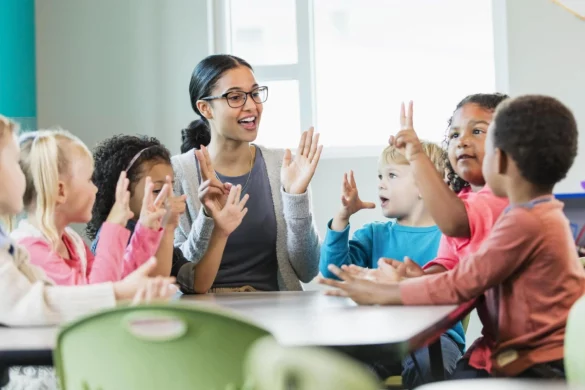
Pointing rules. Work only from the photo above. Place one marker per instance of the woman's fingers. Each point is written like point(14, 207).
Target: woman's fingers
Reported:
point(313, 148)
point(243, 201)
point(308, 142)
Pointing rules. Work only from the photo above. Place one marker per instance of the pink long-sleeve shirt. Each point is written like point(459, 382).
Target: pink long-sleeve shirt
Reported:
point(483, 210)
point(112, 262)
point(528, 276)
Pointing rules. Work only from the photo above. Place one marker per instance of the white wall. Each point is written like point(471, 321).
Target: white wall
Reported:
point(539, 48)
point(108, 67)
point(112, 67)
point(546, 55)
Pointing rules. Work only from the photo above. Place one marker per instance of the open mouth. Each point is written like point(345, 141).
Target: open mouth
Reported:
point(384, 201)
point(248, 123)
point(465, 157)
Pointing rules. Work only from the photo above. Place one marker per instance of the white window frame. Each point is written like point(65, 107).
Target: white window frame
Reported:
point(304, 70)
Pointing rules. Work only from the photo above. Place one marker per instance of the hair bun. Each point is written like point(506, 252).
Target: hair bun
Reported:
point(194, 135)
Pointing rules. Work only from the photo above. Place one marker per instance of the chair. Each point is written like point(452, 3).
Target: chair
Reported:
point(155, 347)
point(574, 344)
point(269, 366)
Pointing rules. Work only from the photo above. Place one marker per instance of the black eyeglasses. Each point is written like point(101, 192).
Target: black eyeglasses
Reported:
point(237, 99)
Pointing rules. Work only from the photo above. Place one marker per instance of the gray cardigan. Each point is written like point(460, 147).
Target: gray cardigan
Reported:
point(297, 238)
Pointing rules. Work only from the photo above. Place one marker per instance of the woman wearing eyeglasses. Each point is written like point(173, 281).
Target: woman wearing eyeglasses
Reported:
point(277, 244)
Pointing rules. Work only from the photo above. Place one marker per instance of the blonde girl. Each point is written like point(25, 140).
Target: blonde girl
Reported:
point(58, 169)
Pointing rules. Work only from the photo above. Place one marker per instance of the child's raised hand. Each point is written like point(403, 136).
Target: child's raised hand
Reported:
point(176, 207)
point(350, 200)
point(153, 210)
point(406, 139)
point(211, 187)
point(121, 213)
point(231, 215)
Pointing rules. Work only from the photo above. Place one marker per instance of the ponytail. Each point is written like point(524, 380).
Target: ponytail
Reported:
point(44, 168)
point(195, 135)
point(43, 159)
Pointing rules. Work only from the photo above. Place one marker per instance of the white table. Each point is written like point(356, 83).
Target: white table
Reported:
point(314, 319)
point(295, 318)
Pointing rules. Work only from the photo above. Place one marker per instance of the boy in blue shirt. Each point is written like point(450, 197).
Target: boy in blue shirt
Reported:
point(411, 232)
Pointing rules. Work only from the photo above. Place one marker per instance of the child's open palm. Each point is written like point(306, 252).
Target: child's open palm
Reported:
point(406, 139)
point(120, 212)
point(381, 274)
point(153, 210)
point(228, 218)
point(404, 269)
point(350, 200)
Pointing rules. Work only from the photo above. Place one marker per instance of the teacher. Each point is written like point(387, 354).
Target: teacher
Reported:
point(277, 244)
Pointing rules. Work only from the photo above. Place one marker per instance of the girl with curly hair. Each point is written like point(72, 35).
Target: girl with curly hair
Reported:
point(143, 157)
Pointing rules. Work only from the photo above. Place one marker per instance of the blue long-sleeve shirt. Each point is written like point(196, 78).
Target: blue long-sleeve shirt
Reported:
point(383, 239)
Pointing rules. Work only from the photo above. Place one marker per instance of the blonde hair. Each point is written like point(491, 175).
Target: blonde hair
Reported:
point(433, 151)
point(44, 156)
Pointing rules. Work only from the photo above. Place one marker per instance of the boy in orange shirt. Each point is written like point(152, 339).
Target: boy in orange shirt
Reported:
point(526, 274)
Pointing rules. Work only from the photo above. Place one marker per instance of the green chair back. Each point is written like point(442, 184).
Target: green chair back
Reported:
point(155, 347)
point(270, 366)
point(575, 344)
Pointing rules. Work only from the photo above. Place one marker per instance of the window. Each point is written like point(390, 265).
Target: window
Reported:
point(345, 65)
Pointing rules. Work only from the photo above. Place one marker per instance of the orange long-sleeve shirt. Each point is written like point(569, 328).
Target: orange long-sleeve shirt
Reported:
point(530, 275)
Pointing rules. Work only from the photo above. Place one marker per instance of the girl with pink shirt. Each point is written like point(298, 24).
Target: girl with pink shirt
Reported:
point(467, 209)
point(464, 208)
point(59, 191)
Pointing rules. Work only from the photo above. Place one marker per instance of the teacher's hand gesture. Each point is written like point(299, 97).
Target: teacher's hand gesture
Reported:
point(297, 171)
point(211, 188)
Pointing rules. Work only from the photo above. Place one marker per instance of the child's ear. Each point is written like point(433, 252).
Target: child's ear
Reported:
point(204, 108)
point(61, 192)
point(501, 162)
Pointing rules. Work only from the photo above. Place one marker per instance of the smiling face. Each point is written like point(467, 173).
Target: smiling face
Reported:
point(467, 136)
point(234, 123)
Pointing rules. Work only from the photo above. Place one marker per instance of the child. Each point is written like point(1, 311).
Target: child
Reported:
point(143, 157)
point(140, 157)
point(27, 296)
point(527, 269)
point(465, 209)
point(412, 232)
point(59, 193)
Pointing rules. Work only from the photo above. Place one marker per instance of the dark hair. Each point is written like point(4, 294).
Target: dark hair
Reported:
point(195, 135)
point(487, 101)
point(203, 80)
point(540, 134)
point(112, 156)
